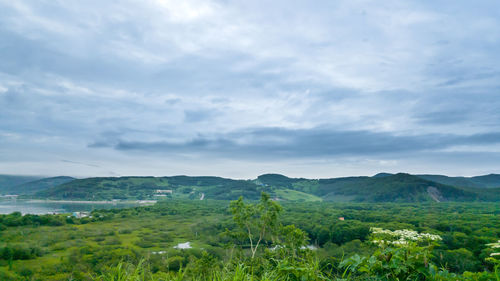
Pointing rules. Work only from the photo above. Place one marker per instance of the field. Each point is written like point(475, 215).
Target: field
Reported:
point(294, 195)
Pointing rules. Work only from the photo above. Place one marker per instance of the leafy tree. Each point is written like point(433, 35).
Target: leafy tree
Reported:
point(255, 221)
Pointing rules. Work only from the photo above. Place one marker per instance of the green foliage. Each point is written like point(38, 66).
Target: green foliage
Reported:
point(133, 188)
point(387, 188)
point(405, 257)
point(255, 221)
point(486, 181)
point(110, 245)
point(294, 195)
point(16, 219)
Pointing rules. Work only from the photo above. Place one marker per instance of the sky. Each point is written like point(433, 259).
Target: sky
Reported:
point(313, 89)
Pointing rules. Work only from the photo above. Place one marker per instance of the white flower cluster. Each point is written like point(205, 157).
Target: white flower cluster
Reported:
point(402, 236)
point(494, 246)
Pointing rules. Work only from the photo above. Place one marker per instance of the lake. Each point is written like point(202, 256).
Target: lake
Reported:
point(8, 206)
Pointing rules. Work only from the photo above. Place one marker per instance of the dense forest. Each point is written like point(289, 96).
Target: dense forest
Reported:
point(256, 240)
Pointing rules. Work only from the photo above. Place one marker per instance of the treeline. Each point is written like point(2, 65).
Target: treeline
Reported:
point(20, 252)
point(17, 219)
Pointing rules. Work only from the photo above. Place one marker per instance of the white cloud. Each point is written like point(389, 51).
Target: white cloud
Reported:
point(186, 11)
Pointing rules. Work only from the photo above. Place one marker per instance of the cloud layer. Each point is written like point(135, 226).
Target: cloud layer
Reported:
point(237, 88)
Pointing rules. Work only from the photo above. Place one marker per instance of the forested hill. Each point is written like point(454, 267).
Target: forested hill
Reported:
point(147, 188)
point(8, 182)
point(39, 185)
point(486, 181)
point(386, 188)
point(20, 185)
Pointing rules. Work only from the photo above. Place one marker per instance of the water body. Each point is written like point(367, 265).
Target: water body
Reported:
point(59, 207)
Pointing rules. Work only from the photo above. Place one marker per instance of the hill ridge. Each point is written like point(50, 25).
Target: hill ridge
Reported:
point(400, 187)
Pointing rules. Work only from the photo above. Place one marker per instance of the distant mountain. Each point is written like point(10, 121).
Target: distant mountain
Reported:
point(486, 181)
point(7, 182)
point(38, 185)
point(277, 180)
point(381, 175)
point(395, 188)
point(145, 188)
point(380, 188)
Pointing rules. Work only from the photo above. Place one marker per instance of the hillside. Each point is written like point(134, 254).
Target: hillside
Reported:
point(7, 182)
point(39, 185)
point(380, 188)
point(395, 188)
point(486, 181)
point(145, 188)
point(386, 188)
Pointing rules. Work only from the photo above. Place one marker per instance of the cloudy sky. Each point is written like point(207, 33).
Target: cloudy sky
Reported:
point(240, 88)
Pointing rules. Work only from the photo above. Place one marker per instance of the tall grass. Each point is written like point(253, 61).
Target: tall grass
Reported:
point(284, 270)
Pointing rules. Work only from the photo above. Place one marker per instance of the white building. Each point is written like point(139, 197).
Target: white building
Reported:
point(164, 191)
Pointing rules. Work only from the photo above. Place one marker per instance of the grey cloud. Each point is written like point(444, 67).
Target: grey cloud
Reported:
point(193, 116)
point(319, 142)
point(443, 117)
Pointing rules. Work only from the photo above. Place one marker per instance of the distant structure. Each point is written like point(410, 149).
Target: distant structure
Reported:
point(12, 197)
point(80, 215)
point(341, 218)
point(164, 191)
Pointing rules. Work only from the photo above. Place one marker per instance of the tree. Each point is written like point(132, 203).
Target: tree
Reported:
point(293, 239)
point(256, 220)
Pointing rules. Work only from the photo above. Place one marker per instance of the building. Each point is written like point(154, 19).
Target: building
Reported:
point(164, 191)
point(80, 215)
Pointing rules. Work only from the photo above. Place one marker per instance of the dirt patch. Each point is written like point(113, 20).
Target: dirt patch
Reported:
point(435, 194)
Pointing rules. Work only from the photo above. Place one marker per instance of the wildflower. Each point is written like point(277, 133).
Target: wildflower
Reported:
point(494, 246)
point(403, 236)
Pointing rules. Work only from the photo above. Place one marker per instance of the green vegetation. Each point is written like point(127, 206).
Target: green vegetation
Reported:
point(486, 181)
point(294, 195)
point(258, 240)
point(145, 188)
point(380, 188)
